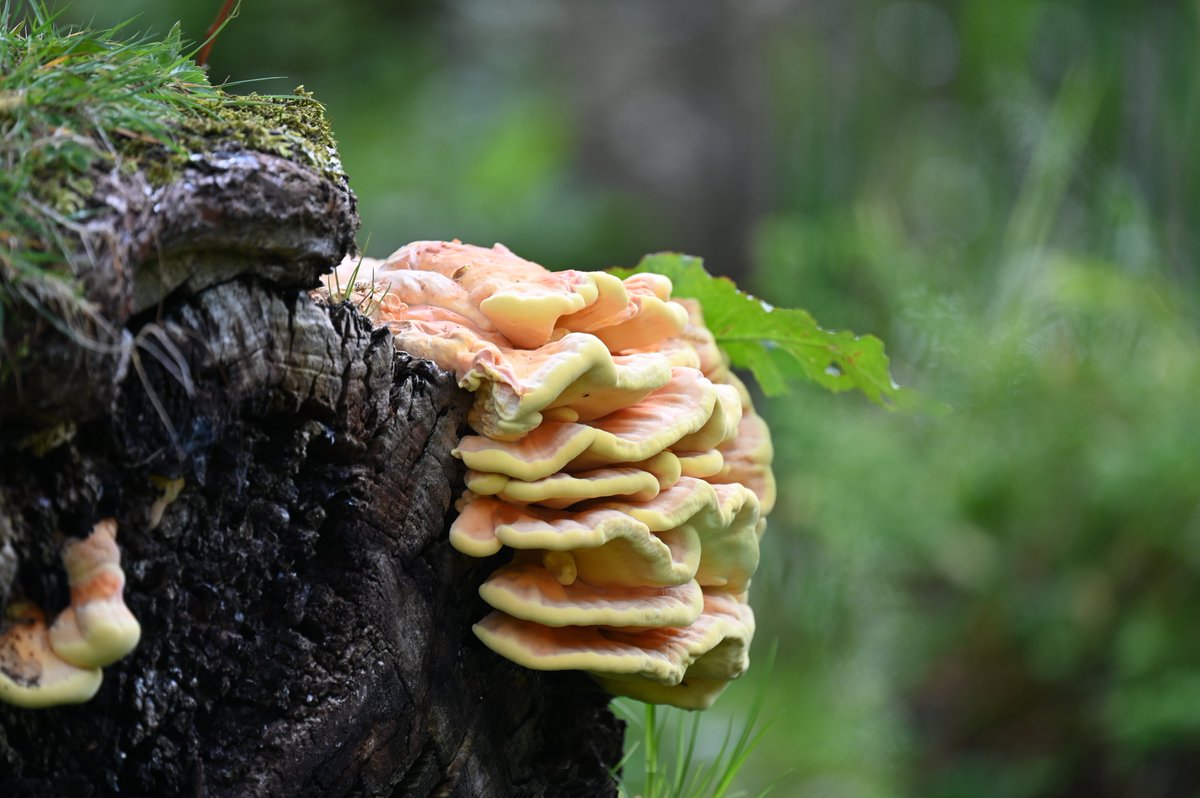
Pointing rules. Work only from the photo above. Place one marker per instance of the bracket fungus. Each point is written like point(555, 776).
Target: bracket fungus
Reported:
point(614, 453)
point(97, 629)
point(44, 666)
point(32, 675)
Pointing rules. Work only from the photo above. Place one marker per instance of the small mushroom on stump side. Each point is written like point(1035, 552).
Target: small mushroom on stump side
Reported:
point(45, 667)
point(31, 674)
point(97, 629)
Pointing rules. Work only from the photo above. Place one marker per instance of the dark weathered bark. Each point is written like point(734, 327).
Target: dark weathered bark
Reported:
point(306, 626)
point(229, 212)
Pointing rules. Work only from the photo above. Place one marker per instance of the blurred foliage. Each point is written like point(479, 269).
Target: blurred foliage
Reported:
point(999, 601)
point(1009, 589)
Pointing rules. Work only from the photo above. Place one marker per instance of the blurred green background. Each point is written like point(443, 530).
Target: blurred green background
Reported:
point(1000, 601)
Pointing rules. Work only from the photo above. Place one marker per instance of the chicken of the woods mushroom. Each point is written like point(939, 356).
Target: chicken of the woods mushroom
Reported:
point(614, 453)
point(45, 666)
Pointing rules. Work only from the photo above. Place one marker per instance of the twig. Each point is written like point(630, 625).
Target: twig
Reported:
point(211, 36)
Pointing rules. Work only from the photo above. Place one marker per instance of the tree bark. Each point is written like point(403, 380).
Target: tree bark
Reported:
point(306, 626)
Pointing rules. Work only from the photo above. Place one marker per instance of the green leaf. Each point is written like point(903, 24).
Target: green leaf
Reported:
point(779, 344)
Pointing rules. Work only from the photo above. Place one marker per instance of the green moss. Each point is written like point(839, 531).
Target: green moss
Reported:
point(67, 194)
point(292, 127)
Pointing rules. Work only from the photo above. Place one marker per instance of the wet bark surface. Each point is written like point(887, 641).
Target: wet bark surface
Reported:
point(306, 626)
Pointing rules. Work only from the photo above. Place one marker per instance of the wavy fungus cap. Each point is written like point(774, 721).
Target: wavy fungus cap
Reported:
point(97, 629)
point(686, 666)
point(527, 303)
point(32, 675)
point(613, 453)
point(44, 667)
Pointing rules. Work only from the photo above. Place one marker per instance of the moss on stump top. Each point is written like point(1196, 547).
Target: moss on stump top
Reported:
point(128, 180)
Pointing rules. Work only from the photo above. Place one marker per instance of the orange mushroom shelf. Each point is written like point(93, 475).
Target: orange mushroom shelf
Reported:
point(615, 453)
point(44, 666)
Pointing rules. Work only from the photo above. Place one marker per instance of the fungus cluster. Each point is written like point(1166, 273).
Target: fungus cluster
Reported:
point(44, 666)
point(614, 453)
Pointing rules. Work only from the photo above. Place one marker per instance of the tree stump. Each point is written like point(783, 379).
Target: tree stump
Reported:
point(306, 626)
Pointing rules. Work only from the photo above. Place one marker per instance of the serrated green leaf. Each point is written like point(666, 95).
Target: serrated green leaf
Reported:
point(778, 344)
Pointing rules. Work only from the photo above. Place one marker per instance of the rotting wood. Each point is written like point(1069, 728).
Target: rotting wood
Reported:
point(306, 627)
